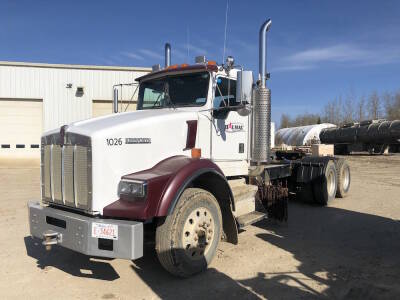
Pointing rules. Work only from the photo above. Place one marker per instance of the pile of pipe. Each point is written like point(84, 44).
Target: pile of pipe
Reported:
point(369, 132)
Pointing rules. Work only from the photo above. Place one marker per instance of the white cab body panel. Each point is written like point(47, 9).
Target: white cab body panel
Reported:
point(166, 128)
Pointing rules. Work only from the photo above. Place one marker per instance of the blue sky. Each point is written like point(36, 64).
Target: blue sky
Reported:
point(317, 50)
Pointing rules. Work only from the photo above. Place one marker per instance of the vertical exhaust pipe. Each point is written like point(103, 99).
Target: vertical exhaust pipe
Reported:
point(262, 51)
point(115, 100)
point(167, 55)
point(261, 133)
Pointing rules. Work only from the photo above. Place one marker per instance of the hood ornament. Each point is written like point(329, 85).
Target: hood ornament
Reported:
point(63, 137)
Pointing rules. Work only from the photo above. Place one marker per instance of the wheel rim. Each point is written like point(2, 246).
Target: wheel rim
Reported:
point(345, 178)
point(198, 233)
point(331, 183)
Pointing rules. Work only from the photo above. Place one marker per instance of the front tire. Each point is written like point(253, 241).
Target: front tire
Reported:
point(186, 240)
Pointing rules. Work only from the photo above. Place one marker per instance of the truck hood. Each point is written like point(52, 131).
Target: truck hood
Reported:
point(98, 126)
point(129, 142)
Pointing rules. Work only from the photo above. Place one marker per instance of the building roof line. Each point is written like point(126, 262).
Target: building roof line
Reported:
point(72, 66)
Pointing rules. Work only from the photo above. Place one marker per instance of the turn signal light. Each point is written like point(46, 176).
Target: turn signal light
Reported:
point(184, 65)
point(196, 152)
point(212, 63)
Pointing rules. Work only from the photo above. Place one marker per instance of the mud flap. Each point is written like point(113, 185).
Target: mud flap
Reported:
point(277, 202)
point(274, 197)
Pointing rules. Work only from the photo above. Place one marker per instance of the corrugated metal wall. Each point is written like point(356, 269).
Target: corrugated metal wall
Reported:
point(61, 105)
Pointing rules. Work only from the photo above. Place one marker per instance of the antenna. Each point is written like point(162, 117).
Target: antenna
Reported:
point(226, 25)
point(187, 43)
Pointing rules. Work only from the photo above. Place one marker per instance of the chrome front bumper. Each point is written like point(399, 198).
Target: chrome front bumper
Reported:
point(74, 231)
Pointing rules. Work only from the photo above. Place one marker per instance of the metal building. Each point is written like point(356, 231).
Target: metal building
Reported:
point(300, 136)
point(36, 97)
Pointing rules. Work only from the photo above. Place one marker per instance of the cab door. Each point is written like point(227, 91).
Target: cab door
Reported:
point(229, 133)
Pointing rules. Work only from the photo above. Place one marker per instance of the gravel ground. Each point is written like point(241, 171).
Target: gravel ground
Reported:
point(348, 250)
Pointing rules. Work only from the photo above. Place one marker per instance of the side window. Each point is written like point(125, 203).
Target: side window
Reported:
point(225, 92)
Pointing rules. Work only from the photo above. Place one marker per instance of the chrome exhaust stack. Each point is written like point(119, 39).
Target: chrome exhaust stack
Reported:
point(261, 132)
point(167, 53)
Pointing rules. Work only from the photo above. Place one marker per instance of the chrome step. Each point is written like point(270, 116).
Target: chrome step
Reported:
point(250, 218)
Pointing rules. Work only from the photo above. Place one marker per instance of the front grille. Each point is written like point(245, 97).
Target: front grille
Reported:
point(66, 171)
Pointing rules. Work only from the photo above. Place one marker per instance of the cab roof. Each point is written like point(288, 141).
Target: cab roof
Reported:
point(180, 68)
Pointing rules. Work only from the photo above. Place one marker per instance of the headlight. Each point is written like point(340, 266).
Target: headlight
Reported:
point(132, 188)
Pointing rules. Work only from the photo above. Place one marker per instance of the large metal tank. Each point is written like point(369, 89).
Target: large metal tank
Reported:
point(395, 130)
point(300, 136)
point(384, 130)
point(367, 132)
point(362, 132)
point(328, 135)
point(347, 134)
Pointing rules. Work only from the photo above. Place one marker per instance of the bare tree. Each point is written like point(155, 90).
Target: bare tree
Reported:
point(340, 112)
point(392, 105)
point(348, 108)
point(332, 111)
point(285, 121)
point(300, 120)
point(360, 109)
point(374, 106)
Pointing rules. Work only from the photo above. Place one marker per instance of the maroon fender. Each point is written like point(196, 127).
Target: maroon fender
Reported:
point(165, 183)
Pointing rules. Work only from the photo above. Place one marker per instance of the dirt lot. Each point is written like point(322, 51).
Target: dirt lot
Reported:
point(350, 249)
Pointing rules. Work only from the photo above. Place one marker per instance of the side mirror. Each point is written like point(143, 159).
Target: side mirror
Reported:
point(244, 86)
point(222, 112)
point(244, 110)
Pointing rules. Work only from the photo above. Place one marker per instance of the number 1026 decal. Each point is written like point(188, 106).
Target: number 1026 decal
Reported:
point(114, 142)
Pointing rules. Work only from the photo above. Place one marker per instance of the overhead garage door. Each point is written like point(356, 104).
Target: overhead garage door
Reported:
point(105, 107)
point(21, 127)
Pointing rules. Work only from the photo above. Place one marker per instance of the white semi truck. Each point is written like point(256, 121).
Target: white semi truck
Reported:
point(193, 163)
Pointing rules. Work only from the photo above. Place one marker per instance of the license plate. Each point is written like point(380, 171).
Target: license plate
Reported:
point(105, 231)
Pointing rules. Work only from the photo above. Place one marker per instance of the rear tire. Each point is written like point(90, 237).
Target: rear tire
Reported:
point(305, 194)
point(186, 240)
point(343, 178)
point(325, 187)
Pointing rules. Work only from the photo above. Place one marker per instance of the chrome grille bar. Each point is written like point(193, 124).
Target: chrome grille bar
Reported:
point(75, 192)
point(57, 173)
point(68, 175)
point(51, 173)
point(46, 177)
point(62, 175)
point(66, 171)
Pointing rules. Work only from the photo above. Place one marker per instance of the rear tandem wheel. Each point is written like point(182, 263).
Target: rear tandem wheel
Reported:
point(325, 188)
point(343, 178)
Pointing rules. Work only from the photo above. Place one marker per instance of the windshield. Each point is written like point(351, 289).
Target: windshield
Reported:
point(174, 90)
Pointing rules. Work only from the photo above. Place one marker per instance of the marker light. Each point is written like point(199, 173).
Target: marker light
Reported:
point(196, 152)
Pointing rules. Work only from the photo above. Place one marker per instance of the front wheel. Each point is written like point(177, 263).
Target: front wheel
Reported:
point(186, 240)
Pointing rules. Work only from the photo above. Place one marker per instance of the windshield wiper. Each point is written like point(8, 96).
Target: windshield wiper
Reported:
point(157, 100)
point(167, 96)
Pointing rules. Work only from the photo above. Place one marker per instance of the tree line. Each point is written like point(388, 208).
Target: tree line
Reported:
point(348, 109)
